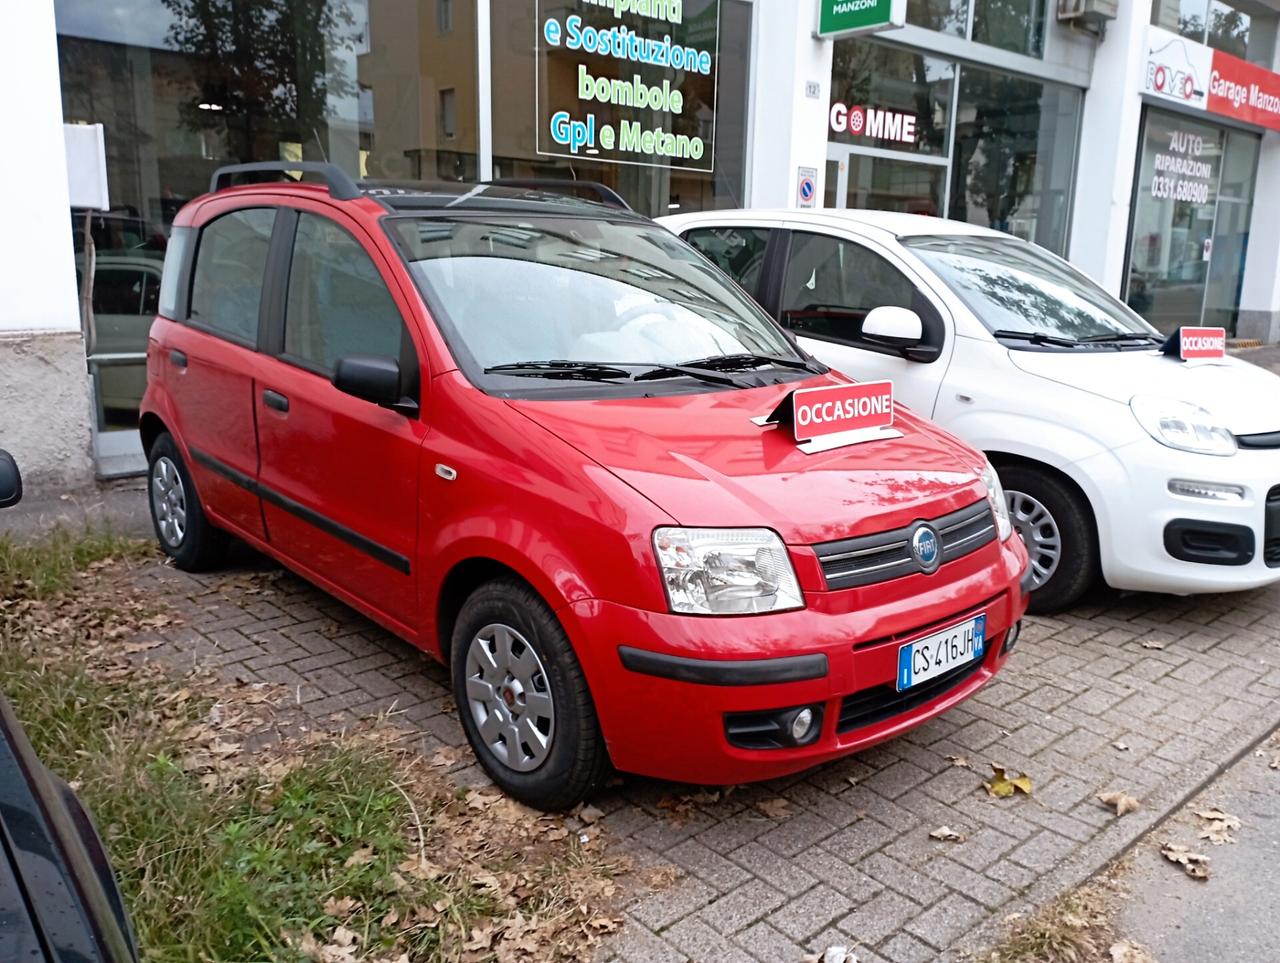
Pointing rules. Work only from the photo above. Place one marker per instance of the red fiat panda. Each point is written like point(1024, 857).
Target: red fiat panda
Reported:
point(529, 434)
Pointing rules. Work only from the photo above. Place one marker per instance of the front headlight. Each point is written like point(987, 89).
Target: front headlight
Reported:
point(1181, 425)
point(999, 504)
point(726, 571)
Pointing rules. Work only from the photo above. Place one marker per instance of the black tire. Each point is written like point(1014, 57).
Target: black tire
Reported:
point(197, 546)
point(1078, 567)
point(576, 760)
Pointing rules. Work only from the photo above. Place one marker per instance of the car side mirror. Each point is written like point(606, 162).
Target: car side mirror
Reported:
point(901, 329)
point(10, 480)
point(375, 379)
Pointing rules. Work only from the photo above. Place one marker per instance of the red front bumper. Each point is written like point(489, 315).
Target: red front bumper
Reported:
point(675, 729)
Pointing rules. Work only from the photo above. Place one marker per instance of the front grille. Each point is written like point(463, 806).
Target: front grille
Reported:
point(1271, 537)
point(869, 559)
point(882, 702)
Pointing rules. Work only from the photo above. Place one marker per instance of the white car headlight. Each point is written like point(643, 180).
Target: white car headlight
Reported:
point(1181, 425)
point(726, 571)
point(999, 504)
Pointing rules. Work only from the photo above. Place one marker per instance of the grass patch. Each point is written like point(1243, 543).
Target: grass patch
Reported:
point(234, 844)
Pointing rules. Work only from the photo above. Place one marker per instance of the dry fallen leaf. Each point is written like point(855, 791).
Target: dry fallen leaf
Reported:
point(340, 909)
point(1158, 646)
point(774, 808)
point(948, 835)
point(1220, 826)
point(361, 857)
point(1002, 786)
point(960, 762)
point(590, 815)
point(1127, 951)
point(1119, 801)
point(1275, 761)
point(1195, 865)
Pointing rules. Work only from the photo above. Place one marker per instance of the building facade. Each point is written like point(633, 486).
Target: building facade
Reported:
point(1144, 148)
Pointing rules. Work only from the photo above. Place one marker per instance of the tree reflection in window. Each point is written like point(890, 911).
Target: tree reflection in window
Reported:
point(1011, 285)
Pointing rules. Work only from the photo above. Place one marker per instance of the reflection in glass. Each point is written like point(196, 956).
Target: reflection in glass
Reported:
point(1013, 286)
point(948, 16)
point(882, 184)
point(1014, 25)
point(1014, 155)
point(1246, 29)
point(1228, 29)
point(889, 78)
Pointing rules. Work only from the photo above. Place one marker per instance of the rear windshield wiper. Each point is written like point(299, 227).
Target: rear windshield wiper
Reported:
point(743, 362)
point(567, 370)
point(1034, 337)
point(1130, 336)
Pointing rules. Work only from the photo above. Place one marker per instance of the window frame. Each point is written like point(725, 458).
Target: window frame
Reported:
point(192, 262)
point(933, 315)
point(280, 267)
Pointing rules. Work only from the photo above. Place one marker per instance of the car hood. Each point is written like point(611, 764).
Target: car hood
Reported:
point(1245, 396)
point(701, 459)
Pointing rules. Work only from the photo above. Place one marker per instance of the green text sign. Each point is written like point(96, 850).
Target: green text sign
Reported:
point(840, 18)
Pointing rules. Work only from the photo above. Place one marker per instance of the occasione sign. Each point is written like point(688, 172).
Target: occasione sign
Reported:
point(817, 412)
point(1202, 344)
point(1197, 76)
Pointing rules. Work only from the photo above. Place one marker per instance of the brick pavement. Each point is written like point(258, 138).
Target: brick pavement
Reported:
point(1185, 685)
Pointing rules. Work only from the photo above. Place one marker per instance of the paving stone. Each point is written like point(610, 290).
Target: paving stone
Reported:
point(907, 949)
point(661, 909)
point(811, 912)
point(635, 944)
point(943, 922)
point(765, 943)
point(707, 865)
point(879, 917)
point(695, 938)
point(737, 910)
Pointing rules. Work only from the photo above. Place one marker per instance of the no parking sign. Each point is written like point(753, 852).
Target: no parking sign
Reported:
point(807, 192)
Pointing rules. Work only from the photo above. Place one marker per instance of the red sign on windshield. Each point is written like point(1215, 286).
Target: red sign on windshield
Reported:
point(1203, 343)
point(818, 412)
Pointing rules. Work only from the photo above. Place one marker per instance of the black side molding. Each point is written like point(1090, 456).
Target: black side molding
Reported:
point(374, 550)
point(793, 668)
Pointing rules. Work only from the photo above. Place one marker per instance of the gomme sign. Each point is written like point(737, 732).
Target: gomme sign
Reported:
point(818, 412)
point(1203, 343)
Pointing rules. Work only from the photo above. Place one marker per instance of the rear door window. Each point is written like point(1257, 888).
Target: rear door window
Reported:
point(226, 282)
point(737, 251)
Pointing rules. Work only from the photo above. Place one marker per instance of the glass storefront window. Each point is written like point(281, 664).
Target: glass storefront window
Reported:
point(897, 84)
point(1014, 158)
point(1013, 25)
point(1191, 219)
point(881, 184)
point(535, 80)
point(1242, 28)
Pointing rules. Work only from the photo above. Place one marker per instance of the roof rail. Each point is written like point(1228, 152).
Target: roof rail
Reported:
point(563, 185)
point(341, 186)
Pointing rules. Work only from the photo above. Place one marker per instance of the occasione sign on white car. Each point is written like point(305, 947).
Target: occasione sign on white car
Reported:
point(1120, 460)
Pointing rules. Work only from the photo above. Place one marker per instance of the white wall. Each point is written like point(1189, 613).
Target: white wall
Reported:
point(788, 129)
point(1108, 149)
point(37, 270)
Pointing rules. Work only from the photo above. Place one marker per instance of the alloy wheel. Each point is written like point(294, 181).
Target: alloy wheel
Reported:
point(509, 697)
point(169, 499)
point(1039, 531)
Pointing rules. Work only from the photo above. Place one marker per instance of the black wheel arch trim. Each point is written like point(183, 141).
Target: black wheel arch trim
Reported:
point(719, 672)
point(350, 536)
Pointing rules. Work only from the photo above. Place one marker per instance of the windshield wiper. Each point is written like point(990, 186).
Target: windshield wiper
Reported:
point(567, 370)
point(743, 362)
point(1131, 336)
point(659, 371)
point(1034, 337)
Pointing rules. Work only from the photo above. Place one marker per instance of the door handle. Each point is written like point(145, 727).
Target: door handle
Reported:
point(178, 358)
point(273, 399)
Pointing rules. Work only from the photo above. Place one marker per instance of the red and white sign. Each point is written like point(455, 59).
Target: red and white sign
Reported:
point(1197, 76)
point(873, 122)
point(1202, 344)
point(818, 412)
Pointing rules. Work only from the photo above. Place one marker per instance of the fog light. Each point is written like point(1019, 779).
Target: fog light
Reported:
point(802, 725)
point(1210, 490)
point(1011, 637)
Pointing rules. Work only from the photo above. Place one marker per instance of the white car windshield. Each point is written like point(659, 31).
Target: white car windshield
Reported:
point(521, 290)
point(1015, 288)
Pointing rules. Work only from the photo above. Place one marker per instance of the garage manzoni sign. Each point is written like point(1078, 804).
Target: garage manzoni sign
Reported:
point(628, 81)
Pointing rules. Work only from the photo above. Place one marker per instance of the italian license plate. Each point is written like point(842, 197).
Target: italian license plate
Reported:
point(937, 654)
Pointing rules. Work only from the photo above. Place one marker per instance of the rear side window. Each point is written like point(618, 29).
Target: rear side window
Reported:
point(175, 262)
point(338, 303)
point(737, 251)
point(226, 283)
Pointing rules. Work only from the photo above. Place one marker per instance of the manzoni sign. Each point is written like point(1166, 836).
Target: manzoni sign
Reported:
point(628, 81)
point(845, 18)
